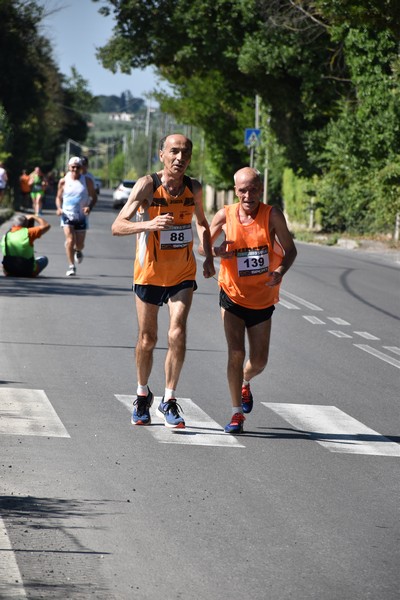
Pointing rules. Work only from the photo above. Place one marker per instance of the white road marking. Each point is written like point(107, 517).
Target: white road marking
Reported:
point(313, 320)
point(28, 412)
point(300, 300)
point(393, 349)
point(378, 354)
point(200, 429)
point(366, 335)
point(340, 334)
point(11, 586)
point(335, 430)
point(288, 305)
point(338, 321)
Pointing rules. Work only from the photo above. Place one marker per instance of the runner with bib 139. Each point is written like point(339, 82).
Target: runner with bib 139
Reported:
point(257, 251)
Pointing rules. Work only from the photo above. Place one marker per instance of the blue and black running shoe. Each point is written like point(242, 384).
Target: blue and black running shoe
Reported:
point(169, 411)
point(141, 410)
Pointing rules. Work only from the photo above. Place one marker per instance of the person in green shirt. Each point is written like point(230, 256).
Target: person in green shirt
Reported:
point(17, 247)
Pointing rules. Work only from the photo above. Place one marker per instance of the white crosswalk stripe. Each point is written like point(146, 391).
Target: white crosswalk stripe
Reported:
point(335, 430)
point(11, 586)
point(200, 430)
point(28, 412)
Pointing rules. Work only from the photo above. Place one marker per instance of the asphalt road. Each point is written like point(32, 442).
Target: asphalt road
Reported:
point(303, 506)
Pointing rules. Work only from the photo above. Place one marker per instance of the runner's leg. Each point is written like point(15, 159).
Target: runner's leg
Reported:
point(147, 315)
point(179, 307)
point(235, 337)
point(69, 233)
point(80, 240)
point(259, 338)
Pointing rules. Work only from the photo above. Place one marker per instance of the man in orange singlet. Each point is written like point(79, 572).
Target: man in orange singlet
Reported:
point(257, 251)
point(163, 205)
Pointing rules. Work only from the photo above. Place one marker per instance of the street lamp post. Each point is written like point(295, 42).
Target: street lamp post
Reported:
point(257, 125)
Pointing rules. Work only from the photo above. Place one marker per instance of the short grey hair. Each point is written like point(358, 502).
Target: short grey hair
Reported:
point(19, 221)
point(164, 139)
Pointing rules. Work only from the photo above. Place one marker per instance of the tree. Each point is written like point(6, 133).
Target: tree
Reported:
point(224, 53)
point(327, 73)
point(125, 102)
point(40, 107)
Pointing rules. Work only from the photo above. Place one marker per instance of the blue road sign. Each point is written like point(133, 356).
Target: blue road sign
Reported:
point(252, 137)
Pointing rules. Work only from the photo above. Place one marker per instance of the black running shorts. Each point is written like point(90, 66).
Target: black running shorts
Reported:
point(158, 294)
point(250, 316)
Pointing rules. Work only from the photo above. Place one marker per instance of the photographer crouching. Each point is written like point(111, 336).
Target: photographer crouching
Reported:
point(17, 246)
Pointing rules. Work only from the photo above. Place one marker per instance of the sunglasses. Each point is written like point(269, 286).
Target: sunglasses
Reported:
point(74, 168)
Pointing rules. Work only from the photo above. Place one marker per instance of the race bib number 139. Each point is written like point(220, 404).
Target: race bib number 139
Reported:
point(252, 262)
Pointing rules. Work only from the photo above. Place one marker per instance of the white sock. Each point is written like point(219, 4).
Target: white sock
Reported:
point(246, 383)
point(168, 394)
point(237, 409)
point(142, 390)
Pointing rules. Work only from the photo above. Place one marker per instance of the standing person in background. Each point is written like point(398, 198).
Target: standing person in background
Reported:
point(163, 205)
point(38, 185)
point(25, 189)
point(18, 247)
point(257, 251)
point(85, 171)
point(85, 174)
point(3, 181)
point(75, 199)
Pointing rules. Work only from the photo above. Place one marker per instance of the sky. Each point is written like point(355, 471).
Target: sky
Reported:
point(75, 29)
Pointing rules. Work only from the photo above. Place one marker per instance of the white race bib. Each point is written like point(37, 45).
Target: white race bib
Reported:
point(252, 262)
point(177, 236)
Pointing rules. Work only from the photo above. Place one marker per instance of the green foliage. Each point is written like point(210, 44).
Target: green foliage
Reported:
point(223, 129)
point(327, 72)
point(4, 134)
point(386, 201)
point(298, 194)
point(116, 168)
point(41, 108)
point(123, 103)
point(82, 100)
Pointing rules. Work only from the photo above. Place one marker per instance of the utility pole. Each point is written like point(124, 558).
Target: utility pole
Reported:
point(149, 135)
point(125, 152)
point(257, 125)
point(67, 152)
point(266, 165)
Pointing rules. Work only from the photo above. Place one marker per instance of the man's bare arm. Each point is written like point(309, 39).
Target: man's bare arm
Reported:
point(203, 230)
point(59, 197)
point(141, 195)
point(279, 228)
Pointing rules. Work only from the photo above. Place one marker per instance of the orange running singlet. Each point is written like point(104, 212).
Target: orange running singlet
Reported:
point(166, 258)
point(243, 277)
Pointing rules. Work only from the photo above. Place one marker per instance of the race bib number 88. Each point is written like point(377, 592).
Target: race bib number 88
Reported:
point(177, 236)
point(252, 262)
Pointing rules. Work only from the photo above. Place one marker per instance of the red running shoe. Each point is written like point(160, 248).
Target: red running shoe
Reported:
point(236, 424)
point(247, 399)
